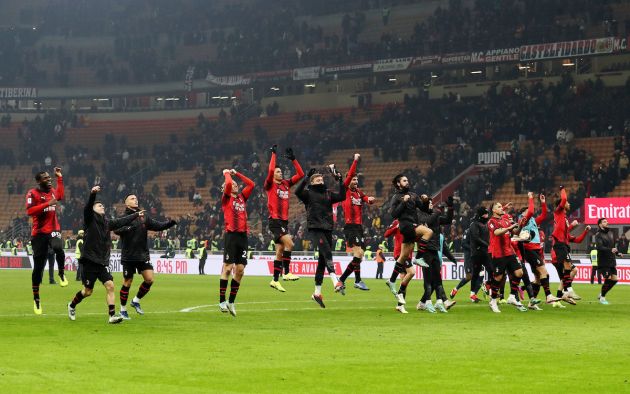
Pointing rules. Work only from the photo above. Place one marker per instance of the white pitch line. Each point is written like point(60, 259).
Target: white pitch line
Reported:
point(196, 308)
point(192, 308)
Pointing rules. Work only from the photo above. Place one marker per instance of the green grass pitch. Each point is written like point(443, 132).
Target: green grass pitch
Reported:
point(283, 342)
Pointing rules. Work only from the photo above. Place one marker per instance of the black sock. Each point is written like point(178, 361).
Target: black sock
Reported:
point(544, 282)
point(559, 293)
point(144, 289)
point(349, 269)
point(223, 283)
point(403, 289)
point(124, 295)
point(77, 298)
point(112, 309)
point(356, 262)
point(397, 270)
point(277, 269)
point(286, 261)
point(233, 290)
point(535, 289)
point(36, 294)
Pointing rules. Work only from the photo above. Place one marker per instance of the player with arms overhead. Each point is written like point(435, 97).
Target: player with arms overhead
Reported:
point(353, 230)
point(278, 192)
point(41, 205)
point(234, 209)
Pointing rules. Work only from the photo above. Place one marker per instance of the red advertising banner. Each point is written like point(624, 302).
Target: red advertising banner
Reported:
point(616, 210)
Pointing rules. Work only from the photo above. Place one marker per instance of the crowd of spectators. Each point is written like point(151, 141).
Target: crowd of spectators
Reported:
point(146, 40)
point(540, 121)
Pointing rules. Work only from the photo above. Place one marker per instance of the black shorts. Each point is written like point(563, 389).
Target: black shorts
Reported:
point(278, 228)
point(408, 231)
point(90, 272)
point(607, 272)
point(533, 258)
point(480, 261)
point(509, 263)
point(131, 267)
point(235, 250)
point(354, 235)
point(563, 252)
point(40, 244)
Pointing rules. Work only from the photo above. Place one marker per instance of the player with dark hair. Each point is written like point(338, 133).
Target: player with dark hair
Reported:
point(278, 192)
point(41, 205)
point(503, 256)
point(404, 207)
point(134, 256)
point(561, 247)
point(476, 236)
point(234, 206)
point(96, 252)
point(319, 200)
point(434, 219)
point(607, 255)
point(531, 250)
point(559, 266)
point(353, 229)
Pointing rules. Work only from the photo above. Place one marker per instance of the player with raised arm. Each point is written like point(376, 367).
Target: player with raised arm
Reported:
point(96, 253)
point(278, 192)
point(404, 206)
point(234, 206)
point(353, 229)
point(531, 251)
point(41, 206)
point(319, 200)
point(134, 255)
point(503, 255)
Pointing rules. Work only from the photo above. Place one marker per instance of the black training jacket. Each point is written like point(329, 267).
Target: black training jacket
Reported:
point(97, 240)
point(434, 219)
point(605, 243)
point(405, 211)
point(133, 237)
point(479, 238)
point(319, 201)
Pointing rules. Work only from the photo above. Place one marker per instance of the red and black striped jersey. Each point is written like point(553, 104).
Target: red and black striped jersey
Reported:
point(353, 204)
point(278, 193)
point(235, 208)
point(44, 217)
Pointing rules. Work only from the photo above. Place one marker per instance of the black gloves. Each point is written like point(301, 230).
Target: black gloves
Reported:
point(311, 172)
point(274, 148)
point(334, 172)
point(289, 154)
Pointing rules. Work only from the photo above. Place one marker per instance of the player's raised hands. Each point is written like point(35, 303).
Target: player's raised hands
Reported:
point(96, 189)
point(58, 172)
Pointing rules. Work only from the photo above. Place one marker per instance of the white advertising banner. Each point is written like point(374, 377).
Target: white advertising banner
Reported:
point(306, 266)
